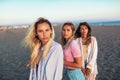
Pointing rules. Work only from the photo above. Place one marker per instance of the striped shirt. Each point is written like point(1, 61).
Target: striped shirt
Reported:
point(52, 67)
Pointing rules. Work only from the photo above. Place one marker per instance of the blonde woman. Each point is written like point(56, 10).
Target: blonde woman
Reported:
point(46, 61)
point(72, 55)
point(89, 50)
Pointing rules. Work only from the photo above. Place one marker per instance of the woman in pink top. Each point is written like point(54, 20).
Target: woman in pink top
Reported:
point(72, 55)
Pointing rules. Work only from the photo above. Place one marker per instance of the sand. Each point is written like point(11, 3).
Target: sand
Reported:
point(14, 57)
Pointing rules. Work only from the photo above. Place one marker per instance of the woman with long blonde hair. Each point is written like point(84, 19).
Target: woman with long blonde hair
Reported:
point(72, 55)
point(46, 60)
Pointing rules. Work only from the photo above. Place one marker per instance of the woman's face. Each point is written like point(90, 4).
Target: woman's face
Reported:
point(84, 30)
point(67, 32)
point(44, 32)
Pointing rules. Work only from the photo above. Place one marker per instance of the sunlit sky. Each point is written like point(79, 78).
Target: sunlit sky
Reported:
point(27, 11)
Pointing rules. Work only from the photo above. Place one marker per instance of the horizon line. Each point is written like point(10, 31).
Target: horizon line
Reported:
point(61, 22)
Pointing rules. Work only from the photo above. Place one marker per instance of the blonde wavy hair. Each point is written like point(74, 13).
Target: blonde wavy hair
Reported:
point(64, 42)
point(32, 41)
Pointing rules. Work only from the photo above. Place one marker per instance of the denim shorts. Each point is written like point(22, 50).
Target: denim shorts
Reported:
point(76, 74)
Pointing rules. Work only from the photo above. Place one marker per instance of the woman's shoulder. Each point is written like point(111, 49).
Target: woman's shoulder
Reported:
point(56, 48)
point(77, 39)
point(73, 42)
point(56, 44)
point(93, 37)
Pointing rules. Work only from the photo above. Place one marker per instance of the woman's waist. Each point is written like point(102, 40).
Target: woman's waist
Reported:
point(77, 69)
point(71, 68)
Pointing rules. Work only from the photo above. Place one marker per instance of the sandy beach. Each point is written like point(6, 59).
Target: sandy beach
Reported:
point(14, 57)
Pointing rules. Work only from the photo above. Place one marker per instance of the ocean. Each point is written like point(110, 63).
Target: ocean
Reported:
point(105, 23)
point(100, 23)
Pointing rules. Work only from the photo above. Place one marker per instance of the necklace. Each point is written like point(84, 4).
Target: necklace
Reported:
point(84, 40)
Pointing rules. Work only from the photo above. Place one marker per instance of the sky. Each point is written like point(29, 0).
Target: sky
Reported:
point(28, 11)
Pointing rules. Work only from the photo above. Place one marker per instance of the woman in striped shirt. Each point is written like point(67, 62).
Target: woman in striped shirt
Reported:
point(46, 61)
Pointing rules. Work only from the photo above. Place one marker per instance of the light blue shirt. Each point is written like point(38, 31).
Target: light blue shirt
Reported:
point(52, 67)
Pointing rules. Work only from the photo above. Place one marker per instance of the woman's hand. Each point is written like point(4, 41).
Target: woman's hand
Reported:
point(87, 72)
point(83, 70)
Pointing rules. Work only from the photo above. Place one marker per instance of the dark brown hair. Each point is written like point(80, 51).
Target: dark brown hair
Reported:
point(79, 34)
